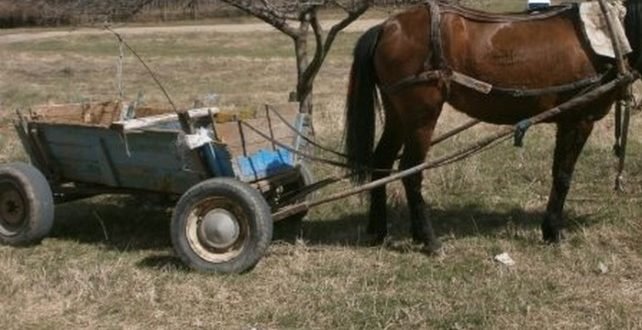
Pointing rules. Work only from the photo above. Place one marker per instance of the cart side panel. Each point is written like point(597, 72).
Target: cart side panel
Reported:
point(253, 156)
point(252, 142)
point(149, 160)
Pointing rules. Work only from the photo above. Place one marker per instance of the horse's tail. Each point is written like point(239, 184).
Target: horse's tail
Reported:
point(360, 106)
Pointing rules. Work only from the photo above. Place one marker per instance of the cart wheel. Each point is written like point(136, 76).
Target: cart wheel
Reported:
point(289, 229)
point(221, 225)
point(306, 179)
point(26, 205)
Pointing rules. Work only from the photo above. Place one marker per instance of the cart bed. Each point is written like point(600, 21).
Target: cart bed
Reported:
point(90, 145)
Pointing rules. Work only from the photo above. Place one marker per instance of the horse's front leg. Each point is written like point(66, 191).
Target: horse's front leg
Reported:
point(570, 140)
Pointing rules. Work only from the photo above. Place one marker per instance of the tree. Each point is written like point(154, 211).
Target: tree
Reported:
point(296, 18)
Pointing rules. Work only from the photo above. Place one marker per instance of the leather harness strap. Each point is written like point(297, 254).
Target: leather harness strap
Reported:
point(436, 68)
point(436, 57)
point(480, 16)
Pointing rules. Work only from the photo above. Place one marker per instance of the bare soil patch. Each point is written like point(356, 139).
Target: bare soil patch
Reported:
point(23, 36)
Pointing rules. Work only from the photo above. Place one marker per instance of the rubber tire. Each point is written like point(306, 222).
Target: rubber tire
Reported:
point(38, 203)
point(252, 204)
point(290, 228)
point(307, 179)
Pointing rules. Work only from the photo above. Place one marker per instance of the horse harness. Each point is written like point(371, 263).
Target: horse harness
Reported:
point(436, 67)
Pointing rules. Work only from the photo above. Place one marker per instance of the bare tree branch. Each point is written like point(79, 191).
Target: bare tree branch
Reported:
point(320, 51)
point(279, 13)
point(353, 14)
point(265, 13)
point(324, 46)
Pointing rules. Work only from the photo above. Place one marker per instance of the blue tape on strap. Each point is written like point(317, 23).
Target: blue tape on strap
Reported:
point(520, 131)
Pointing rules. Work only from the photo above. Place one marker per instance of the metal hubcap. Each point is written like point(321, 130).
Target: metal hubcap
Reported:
point(218, 229)
point(12, 209)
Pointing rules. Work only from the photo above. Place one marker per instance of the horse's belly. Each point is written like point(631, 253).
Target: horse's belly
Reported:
point(495, 111)
point(507, 110)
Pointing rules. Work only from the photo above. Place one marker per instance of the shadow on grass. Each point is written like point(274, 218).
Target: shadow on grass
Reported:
point(460, 221)
point(120, 223)
point(131, 224)
point(163, 263)
point(128, 223)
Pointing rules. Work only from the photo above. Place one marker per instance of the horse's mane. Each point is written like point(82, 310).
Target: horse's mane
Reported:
point(633, 27)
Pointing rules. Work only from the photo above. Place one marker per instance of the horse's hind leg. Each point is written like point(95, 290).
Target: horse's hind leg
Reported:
point(416, 146)
point(570, 139)
point(384, 157)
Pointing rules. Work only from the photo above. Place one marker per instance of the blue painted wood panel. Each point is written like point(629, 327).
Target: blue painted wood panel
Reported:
point(149, 160)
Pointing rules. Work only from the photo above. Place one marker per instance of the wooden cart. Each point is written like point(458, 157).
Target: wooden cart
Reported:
point(229, 181)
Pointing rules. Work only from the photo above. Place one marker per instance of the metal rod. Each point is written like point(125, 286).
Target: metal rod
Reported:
point(269, 120)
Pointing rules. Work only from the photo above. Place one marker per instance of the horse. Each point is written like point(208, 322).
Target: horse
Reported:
point(514, 66)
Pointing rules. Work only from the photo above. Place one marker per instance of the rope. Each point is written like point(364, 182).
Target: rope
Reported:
point(454, 158)
point(182, 116)
point(434, 141)
point(119, 71)
point(303, 136)
point(291, 149)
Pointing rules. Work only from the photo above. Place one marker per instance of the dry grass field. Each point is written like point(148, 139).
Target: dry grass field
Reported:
point(109, 263)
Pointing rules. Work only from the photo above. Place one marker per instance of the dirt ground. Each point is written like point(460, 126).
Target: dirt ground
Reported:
point(38, 34)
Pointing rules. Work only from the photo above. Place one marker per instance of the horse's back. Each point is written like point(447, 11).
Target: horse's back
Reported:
point(526, 54)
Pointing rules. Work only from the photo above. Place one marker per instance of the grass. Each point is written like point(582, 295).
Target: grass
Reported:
point(108, 262)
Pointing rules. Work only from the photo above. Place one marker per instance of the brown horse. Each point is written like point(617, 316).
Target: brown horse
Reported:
point(524, 63)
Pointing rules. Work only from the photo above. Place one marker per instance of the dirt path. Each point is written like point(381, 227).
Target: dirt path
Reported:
point(360, 25)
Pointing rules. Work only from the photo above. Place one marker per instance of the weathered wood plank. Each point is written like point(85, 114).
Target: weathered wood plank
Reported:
point(101, 114)
point(144, 122)
point(108, 167)
point(154, 161)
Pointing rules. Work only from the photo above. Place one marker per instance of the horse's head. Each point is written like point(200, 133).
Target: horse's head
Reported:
point(633, 27)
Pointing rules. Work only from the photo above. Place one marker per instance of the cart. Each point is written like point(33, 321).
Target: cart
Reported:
point(229, 180)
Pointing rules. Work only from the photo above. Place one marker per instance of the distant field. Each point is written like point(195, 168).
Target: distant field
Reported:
point(125, 275)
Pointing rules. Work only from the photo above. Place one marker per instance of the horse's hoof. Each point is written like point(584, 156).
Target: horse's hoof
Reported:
point(432, 249)
point(552, 235)
point(376, 240)
point(432, 246)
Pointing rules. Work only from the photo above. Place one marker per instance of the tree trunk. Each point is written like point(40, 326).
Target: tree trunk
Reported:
point(163, 9)
point(280, 15)
point(303, 89)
